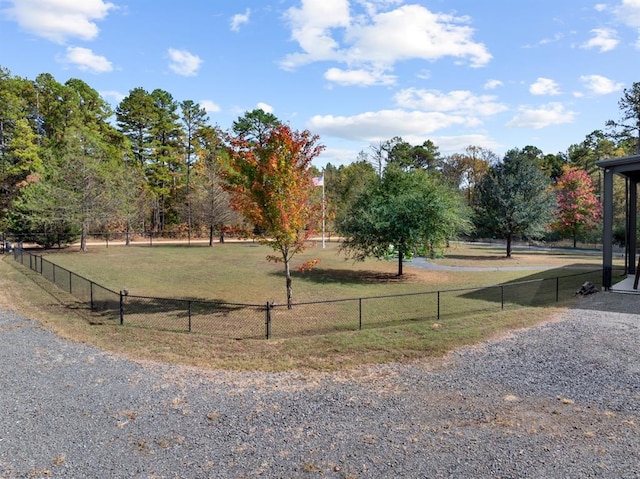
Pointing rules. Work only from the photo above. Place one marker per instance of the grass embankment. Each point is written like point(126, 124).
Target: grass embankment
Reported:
point(238, 272)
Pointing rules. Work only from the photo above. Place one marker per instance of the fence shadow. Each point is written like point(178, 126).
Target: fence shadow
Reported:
point(266, 320)
point(540, 287)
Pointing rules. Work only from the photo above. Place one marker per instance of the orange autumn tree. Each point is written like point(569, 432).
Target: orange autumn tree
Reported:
point(578, 207)
point(270, 183)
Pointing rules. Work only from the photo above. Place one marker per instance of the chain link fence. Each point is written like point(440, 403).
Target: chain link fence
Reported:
point(270, 320)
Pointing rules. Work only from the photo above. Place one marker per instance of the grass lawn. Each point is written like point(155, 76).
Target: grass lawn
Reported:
point(238, 272)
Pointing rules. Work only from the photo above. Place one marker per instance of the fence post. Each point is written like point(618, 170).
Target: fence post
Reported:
point(438, 311)
point(502, 298)
point(121, 308)
point(91, 294)
point(189, 312)
point(360, 313)
point(557, 288)
point(268, 320)
point(70, 281)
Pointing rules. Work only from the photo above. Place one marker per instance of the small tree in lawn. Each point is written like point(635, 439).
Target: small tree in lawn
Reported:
point(405, 210)
point(578, 207)
point(270, 183)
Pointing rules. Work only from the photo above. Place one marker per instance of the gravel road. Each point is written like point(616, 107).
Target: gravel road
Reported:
point(558, 400)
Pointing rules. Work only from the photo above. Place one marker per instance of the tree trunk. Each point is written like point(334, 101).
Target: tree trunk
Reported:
point(508, 246)
point(210, 235)
point(289, 288)
point(400, 263)
point(83, 238)
point(127, 235)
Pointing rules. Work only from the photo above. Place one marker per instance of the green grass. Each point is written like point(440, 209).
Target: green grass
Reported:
point(238, 272)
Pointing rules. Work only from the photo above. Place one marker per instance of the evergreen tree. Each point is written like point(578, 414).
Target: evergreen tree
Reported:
point(627, 130)
point(255, 126)
point(194, 119)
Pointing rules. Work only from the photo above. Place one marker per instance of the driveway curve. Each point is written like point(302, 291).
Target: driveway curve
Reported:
point(558, 400)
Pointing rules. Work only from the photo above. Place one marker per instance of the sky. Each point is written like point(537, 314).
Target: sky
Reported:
point(498, 74)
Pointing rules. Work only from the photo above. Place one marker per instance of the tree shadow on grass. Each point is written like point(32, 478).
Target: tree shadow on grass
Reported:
point(346, 276)
point(465, 257)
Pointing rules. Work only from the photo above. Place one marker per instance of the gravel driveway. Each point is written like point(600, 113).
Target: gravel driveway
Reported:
point(558, 400)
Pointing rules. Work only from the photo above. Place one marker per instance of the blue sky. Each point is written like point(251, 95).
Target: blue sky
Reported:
point(493, 73)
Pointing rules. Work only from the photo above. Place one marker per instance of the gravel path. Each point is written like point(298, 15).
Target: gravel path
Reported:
point(558, 400)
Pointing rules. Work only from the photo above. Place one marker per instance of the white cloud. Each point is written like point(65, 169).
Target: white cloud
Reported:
point(423, 74)
point(183, 62)
point(546, 115)
point(456, 144)
point(460, 102)
point(374, 6)
point(544, 86)
point(114, 94)
point(264, 107)
point(374, 40)
point(336, 156)
point(210, 106)
point(419, 114)
point(358, 77)
point(599, 85)
point(604, 39)
point(412, 31)
point(240, 19)
point(59, 20)
point(492, 84)
point(554, 39)
point(628, 12)
point(311, 27)
point(86, 60)
point(375, 126)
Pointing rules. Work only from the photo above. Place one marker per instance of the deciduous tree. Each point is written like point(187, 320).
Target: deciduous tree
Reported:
point(343, 185)
point(406, 210)
point(209, 199)
point(465, 170)
point(270, 182)
point(515, 199)
point(578, 207)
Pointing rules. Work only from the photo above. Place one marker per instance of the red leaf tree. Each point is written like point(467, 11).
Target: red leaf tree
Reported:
point(270, 183)
point(578, 207)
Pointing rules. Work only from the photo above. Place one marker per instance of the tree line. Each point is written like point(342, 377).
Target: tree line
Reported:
point(70, 165)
